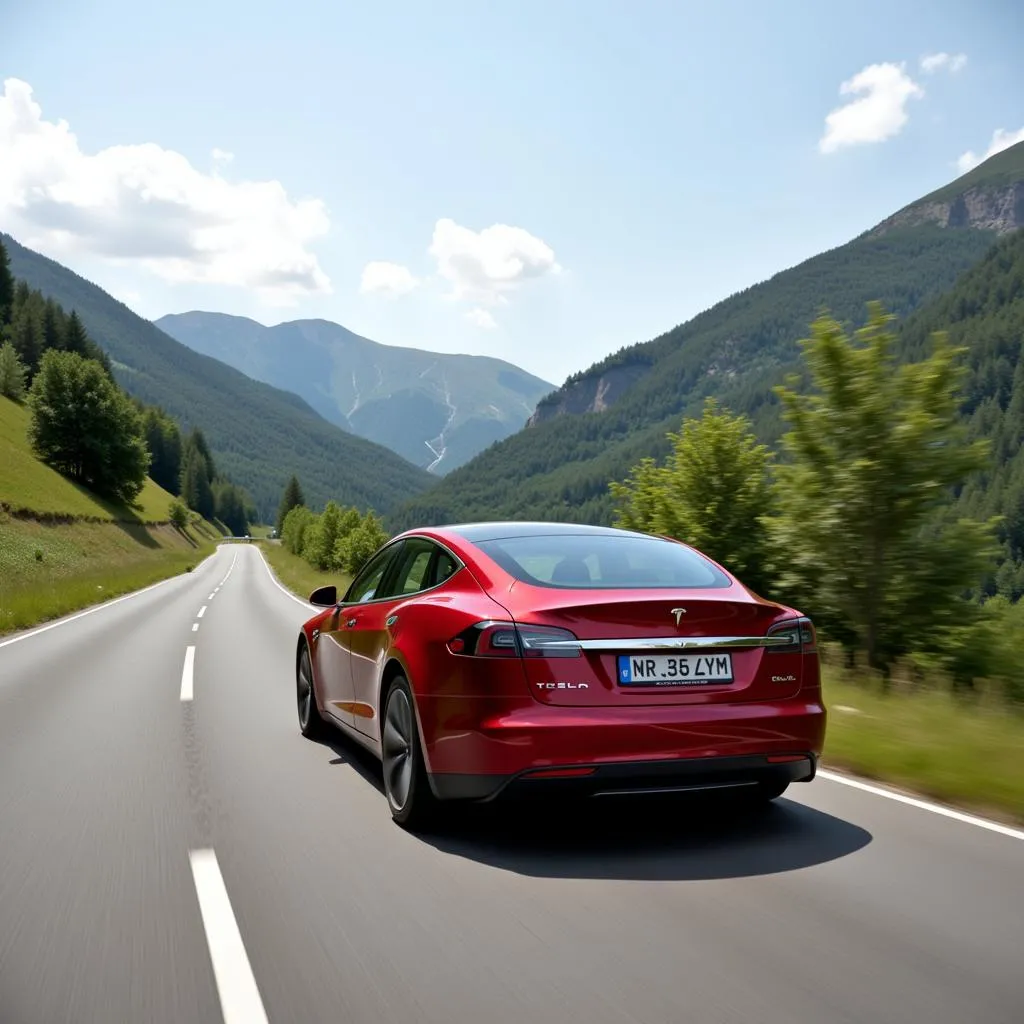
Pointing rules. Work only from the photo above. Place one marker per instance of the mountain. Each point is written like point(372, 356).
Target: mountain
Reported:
point(434, 409)
point(603, 420)
point(259, 435)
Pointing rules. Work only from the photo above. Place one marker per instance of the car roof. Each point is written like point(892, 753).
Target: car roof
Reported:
point(482, 532)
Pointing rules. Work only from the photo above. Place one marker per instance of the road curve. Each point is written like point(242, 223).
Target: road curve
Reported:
point(171, 850)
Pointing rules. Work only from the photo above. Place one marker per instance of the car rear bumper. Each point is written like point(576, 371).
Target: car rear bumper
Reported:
point(680, 775)
point(536, 750)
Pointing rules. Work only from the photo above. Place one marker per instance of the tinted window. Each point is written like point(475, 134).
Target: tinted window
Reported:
point(598, 561)
point(412, 569)
point(364, 586)
point(444, 566)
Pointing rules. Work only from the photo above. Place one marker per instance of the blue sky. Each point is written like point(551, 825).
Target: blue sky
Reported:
point(654, 157)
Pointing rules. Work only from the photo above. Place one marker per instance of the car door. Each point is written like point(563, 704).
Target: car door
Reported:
point(334, 656)
point(370, 634)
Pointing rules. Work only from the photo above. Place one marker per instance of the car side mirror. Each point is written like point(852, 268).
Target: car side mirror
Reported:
point(324, 597)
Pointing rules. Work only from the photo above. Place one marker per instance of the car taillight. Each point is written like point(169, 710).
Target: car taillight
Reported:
point(507, 640)
point(800, 634)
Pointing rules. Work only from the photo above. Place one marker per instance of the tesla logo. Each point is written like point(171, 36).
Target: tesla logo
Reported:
point(678, 613)
point(563, 686)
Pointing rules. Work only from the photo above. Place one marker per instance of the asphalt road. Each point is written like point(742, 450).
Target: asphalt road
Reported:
point(190, 861)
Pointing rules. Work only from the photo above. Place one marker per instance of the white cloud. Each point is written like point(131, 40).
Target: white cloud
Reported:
point(481, 318)
point(1001, 139)
point(879, 112)
point(390, 278)
point(222, 156)
point(149, 205)
point(937, 61)
point(485, 266)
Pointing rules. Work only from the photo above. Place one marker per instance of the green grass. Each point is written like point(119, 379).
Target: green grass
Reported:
point(959, 752)
point(49, 569)
point(28, 486)
point(260, 531)
point(297, 574)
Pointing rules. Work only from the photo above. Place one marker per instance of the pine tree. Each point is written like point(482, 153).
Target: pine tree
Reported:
point(292, 498)
point(6, 287)
point(53, 326)
point(75, 337)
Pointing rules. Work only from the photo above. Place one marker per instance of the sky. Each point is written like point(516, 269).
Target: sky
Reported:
point(545, 181)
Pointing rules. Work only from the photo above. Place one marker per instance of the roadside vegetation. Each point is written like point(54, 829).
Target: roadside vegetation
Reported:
point(297, 574)
point(99, 494)
point(856, 522)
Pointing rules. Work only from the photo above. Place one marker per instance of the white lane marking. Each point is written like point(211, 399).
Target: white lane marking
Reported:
point(202, 612)
point(212, 596)
point(924, 805)
point(195, 627)
point(186, 673)
point(234, 558)
point(240, 1001)
point(100, 607)
point(284, 590)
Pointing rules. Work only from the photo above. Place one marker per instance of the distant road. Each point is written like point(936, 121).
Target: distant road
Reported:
point(173, 852)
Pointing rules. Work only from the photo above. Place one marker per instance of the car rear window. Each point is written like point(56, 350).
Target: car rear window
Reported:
point(600, 561)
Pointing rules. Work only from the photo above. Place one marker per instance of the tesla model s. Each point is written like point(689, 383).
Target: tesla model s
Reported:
point(499, 660)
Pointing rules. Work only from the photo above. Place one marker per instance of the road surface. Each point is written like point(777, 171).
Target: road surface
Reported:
point(172, 850)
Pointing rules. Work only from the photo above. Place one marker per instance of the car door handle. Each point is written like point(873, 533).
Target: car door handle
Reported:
point(350, 623)
point(391, 620)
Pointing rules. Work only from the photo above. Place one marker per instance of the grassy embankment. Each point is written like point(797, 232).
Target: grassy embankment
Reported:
point(296, 573)
point(63, 549)
point(929, 742)
point(960, 751)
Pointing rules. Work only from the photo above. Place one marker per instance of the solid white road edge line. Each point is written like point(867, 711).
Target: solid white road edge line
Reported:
point(202, 612)
point(186, 674)
point(924, 805)
point(284, 590)
point(240, 1001)
point(100, 607)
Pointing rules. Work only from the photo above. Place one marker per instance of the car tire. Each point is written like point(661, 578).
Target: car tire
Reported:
point(406, 786)
point(311, 723)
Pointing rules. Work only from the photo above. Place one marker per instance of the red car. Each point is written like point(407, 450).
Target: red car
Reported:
point(499, 659)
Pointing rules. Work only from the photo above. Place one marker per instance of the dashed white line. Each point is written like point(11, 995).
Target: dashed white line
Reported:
point(195, 627)
point(212, 596)
point(202, 612)
point(99, 607)
point(240, 1001)
point(924, 805)
point(186, 673)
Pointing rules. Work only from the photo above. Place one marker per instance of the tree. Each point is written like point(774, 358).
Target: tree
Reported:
point(75, 337)
point(197, 440)
point(178, 514)
point(865, 531)
point(293, 530)
point(86, 427)
point(354, 550)
point(196, 491)
point(6, 287)
point(53, 327)
point(229, 507)
point(713, 492)
point(292, 498)
point(12, 373)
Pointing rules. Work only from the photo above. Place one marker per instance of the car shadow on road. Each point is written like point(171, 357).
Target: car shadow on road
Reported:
point(651, 839)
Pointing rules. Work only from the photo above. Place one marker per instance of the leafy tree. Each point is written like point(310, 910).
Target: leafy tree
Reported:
point(713, 492)
point(355, 549)
point(294, 527)
point(322, 537)
point(292, 498)
point(6, 287)
point(86, 427)
point(865, 531)
point(12, 373)
point(178, 514)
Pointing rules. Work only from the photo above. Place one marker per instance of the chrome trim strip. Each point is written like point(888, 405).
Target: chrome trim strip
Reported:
point(674, 643)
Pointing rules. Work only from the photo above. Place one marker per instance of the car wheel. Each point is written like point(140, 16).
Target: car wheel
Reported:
point(311, 725)
point(413, 804)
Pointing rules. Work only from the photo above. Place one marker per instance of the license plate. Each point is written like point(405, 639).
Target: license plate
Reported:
point(674, 669)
